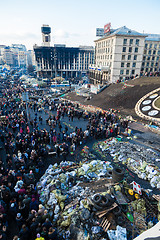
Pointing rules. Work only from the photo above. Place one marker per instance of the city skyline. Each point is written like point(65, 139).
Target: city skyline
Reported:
point(73, 23)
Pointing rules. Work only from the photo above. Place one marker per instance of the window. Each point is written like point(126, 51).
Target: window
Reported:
point(157, 58)
point(130, 49)
point(123, 57)
point(152, 64)
point(153, 58)
point(148, 58)
point(131, 41)
point(121, 72)
point(124, 41)
point(135, 57)
point(133, 71)
point(134, 64)
point(129, 57)
point(137, 42)
point(111, 57)
point(122, 64)
point(155, 45)
point(136, 49)
point(128, 64)
point(127, 72)
point(149, 52)
point(147, 64)
point(144, 58)
point(124, 49)
point(150, 46)
point(146, 45)
point(154, 52)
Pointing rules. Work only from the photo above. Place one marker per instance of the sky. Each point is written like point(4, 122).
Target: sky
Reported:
point(73, 22)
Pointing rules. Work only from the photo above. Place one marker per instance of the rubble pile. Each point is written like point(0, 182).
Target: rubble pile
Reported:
point(137, 158)
point(85, 203)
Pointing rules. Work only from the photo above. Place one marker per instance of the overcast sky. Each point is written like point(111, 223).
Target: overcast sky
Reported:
point(73, 22)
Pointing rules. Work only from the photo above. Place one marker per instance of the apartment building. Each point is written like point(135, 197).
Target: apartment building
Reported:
point(118, 55)
point(8, 57)
point(151, 56)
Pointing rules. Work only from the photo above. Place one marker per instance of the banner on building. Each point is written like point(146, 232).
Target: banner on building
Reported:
point(107, 28)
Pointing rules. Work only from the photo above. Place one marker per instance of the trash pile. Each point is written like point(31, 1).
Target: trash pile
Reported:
point(137, 158)
point(91, 200)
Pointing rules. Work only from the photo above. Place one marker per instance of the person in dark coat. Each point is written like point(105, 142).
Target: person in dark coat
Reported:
point(24, 233)
point(34, 204)
point(19, 220)
point(13, 211)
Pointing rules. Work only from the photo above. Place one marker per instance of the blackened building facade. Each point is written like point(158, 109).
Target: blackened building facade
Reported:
point(67, 62)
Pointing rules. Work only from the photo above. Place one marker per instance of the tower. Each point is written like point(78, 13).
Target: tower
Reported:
point(46, 30)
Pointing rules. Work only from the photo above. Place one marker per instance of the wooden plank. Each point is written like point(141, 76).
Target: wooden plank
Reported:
point(107, 227)
point(101, 214)
point(102, 222)
point(105, 222)
point(71, 204)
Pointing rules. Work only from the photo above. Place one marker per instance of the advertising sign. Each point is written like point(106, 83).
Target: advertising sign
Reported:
point(107, 27)
point(99, 32)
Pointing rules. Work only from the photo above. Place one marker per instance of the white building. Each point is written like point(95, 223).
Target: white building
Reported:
point(151, 56)
point(8, 56)
point(22, 59)
point(118, 55)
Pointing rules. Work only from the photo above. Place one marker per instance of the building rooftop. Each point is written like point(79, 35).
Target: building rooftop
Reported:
point(126, 31)
point(153, 37)
point(123, 31)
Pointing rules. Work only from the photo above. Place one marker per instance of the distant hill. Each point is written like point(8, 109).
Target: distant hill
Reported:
point(121, 96)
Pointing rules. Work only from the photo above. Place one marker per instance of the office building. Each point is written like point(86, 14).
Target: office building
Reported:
point(123, 53)
point(118, 55)
point(151, 56)
point(67, 62)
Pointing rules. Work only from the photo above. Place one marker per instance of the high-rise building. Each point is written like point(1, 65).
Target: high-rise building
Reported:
point(118, 55)
point(8, 56)
point(151, 56)
point(67, 62)
point(22, 59)
point(124, 53)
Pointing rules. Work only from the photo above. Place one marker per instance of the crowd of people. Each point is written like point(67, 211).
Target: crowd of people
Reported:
point(24, 142)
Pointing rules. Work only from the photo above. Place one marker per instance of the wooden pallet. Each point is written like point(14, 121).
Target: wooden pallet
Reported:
point(105, 224)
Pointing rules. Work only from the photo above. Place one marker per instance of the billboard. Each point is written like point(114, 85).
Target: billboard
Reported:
point(99, 32)
point(107, 27)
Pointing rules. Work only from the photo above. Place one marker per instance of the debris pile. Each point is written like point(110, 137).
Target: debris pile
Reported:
point(137, 158)
point(92, 200)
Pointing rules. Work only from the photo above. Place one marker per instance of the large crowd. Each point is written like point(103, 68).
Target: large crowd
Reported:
point(25, 145)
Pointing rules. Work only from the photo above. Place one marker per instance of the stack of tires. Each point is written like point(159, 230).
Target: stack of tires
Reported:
point(117, 174)
point(102, 201)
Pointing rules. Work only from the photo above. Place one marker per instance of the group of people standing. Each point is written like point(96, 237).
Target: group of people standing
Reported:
point(24, 152)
